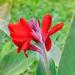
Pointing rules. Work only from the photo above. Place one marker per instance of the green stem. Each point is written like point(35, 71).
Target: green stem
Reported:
point(44, 59)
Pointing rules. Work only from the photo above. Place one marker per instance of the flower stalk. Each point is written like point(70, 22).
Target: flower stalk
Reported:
point(44, 59)
point(23, 32)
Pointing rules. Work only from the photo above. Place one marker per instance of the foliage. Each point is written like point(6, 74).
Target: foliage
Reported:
point(67, 63)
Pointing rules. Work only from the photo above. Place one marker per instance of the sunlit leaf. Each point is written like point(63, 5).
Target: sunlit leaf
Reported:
point(14, 64)
point(4, 18)
point(6, 49)
point(54, 54)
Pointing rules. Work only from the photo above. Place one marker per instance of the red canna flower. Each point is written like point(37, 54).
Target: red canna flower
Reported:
point(46, 23)
point(22, 33)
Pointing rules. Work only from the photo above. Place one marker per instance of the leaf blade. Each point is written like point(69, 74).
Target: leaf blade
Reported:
point(67, 63)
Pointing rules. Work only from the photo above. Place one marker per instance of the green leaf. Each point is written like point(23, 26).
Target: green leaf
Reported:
point(67, 62)
point(31, 69)
point(54, 54)
point(3, 26)
point(4, 18)
point(52, 67)
point(40, 69)
point(6, 49)
point(15, 64)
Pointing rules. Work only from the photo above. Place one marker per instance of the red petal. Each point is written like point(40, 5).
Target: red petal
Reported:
point(33, 48)
point(48, 43)
point(20, 36)
point(19, 49)
point(25, 53)
point(21, 27)
point(17, 36)
point(16, 28)
point(47, 20)
point(35, 37)
point(17, 42)
point(30, 47)
point(55, 29)
point(26, 44)
point(25, 24)
point(11, 27)
point(24, 47)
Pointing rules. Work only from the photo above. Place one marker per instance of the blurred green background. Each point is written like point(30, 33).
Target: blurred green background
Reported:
point(61, 11)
